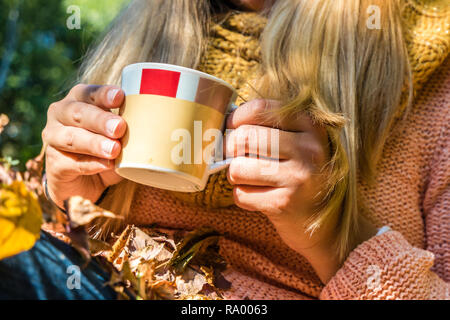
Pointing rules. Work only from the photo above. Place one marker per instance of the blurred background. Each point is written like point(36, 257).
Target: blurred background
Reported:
point(42, 44)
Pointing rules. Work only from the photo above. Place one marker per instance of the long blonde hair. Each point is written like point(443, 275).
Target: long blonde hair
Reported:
point(319, 57)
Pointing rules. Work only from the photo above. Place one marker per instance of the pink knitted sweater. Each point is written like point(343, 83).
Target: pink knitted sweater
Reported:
point(411, 195)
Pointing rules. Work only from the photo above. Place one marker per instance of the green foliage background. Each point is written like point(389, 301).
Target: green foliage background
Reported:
point(39, 57)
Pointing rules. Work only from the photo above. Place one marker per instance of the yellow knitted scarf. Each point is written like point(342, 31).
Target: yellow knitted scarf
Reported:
point(233, 54)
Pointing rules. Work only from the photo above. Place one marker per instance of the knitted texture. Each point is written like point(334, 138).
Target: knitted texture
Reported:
point(411, 194)
point(427, 36)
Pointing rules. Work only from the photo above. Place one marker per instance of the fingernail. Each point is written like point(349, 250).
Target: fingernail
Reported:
point(111, 125)
point(112, 94)
point(107, 146)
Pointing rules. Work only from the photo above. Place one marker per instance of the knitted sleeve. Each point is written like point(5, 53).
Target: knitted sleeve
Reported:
point(436, 201)
point(387, 266)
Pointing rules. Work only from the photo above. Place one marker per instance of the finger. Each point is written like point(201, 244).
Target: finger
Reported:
point(265, 113)
point(64, 165)
point(261, 141)
point(263, 199)
point(92, 118)
point(106, 97)
point(81, 141)
point(258, 172)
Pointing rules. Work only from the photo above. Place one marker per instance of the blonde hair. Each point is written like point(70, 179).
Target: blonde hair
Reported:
point(321, 58)
point(318, 57)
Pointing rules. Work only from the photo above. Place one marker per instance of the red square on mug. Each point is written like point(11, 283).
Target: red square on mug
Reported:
point(159, 82)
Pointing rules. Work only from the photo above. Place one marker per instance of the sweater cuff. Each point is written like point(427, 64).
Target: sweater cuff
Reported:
point(383, 267)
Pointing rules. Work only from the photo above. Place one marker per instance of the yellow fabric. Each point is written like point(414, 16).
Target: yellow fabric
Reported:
point(427, 35)
point(20, 219)
point(233, 54)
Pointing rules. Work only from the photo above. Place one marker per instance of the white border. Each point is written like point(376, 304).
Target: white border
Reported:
point(172, 67)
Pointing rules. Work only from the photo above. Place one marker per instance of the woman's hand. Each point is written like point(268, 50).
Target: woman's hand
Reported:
point(288, 190)
point(82, 141)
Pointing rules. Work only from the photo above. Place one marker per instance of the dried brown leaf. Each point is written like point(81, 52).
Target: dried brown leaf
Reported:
point(190, 282)
point(195, 244)
point(146, 255)
point(81, 212)
point(99, 248)
point(120, 243)
point(137, 247)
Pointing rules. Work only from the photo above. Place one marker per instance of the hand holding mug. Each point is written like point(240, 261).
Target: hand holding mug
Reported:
point(288, 196)
point(83, 139)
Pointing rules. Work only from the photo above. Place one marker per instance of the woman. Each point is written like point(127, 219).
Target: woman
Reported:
point(352, 159)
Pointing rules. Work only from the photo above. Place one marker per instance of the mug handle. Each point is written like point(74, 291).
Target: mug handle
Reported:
point(217, 166)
